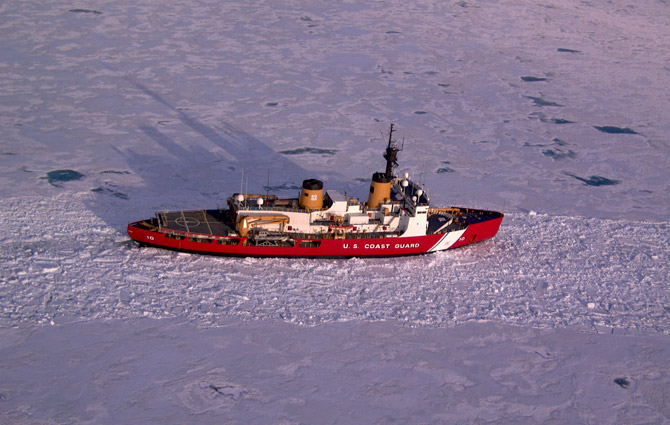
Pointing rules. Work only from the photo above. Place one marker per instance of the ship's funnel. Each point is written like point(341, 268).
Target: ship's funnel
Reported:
point(311, 196)
point(380, 190)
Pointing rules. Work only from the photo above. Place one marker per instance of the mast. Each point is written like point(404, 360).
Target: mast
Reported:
point(391, 155)
point(380, 187)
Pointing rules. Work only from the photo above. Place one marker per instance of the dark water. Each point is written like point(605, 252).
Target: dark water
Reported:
point(95, 12)
point(316, 151)
point(560, 49)
point(106, 191)
point(114, 172)
point(420, 112)
point(271, 104)
point(615, 130)
point(555, 149)
point(622, 382)
point(560, 153)
point(541, 102)
point(596, 180)
point(57, 176)
point(531, 79)
point(442, 170)
point(543, 118)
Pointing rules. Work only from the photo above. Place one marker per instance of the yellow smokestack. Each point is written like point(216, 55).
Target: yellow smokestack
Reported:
point(311, 196)
point(380, 190)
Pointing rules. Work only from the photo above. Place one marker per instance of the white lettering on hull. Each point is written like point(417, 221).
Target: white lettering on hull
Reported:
point(377, 245)
point(407, 245)
point(382, 246)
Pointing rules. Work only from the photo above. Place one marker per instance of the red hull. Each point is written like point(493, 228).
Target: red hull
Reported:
point(337, 248)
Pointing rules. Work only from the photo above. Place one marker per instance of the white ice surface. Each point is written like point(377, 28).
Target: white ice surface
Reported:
point(172, 371)
point(541, 270)
point(164, 106)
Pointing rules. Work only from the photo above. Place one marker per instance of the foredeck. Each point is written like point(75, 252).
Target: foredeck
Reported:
point(473, 216)
point(207, 222)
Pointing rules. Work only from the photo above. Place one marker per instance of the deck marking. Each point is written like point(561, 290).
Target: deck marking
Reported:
point(185, 223)
point(204, 214)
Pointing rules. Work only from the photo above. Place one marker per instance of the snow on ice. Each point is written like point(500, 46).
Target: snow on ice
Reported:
point(554, 112)
point(171, 370)
point(542, 270)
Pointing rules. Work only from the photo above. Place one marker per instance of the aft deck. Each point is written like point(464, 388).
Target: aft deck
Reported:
point(206, 222)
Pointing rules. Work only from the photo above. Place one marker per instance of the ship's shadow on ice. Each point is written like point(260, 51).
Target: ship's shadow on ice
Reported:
point(240, 149)
point(210, 164)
